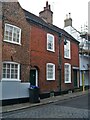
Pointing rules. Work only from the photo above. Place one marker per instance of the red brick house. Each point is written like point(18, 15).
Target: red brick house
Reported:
point(38, 52)
point(55, 68)
point(15, 52)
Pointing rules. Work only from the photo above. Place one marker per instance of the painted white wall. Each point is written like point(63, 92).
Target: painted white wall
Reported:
point(14, 89)
point(83, 60)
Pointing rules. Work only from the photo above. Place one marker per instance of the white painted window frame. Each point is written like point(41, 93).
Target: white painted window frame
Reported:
point(18, 43)
point(69, 73)
point(53, 78)
point(67, 47)
point(53, 41)
point(12, 79)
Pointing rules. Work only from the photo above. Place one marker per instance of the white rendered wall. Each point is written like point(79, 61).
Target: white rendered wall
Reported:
point(14, 89)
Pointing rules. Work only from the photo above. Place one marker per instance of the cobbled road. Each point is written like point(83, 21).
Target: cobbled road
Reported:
point(77, 107)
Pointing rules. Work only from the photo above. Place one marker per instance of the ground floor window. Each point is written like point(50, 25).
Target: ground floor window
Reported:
point(67, 73)
point(11, 70)
point(50, 71)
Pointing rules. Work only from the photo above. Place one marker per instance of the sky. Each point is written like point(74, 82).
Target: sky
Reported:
point(77, 8)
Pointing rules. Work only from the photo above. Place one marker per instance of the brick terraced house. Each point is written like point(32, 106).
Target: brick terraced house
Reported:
point(37, 52)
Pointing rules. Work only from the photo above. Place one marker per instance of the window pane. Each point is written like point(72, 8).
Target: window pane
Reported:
point(8, 75)
point(12, 65)
point(4, 75)
point(4, 65)
point(4, 71)
point(8, 71)
point(8, 66)
point(12, 75)
point(16, 76)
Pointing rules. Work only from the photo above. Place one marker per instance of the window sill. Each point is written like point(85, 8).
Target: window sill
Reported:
point(11, 80)
point(67, 82)
point(50, 79)
point(12, 42)
point(67, 58)
point(53, 51)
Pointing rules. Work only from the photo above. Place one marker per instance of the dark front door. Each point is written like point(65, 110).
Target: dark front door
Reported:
point(33, 77)
point(75, 78)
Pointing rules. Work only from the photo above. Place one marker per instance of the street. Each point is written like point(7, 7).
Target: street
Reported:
point(77, 107)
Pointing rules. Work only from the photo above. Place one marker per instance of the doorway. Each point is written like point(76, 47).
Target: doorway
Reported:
point(75, 79)
point(34, 77)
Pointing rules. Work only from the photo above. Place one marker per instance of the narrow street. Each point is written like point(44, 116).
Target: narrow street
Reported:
point(77, 107)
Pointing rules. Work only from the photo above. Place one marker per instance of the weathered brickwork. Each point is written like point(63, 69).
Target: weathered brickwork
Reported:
point(14, 15)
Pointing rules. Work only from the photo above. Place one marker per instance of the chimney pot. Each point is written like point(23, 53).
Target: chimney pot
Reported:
point(47, 14)
point(46, 3)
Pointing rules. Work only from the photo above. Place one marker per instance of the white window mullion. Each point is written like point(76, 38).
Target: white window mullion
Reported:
point(10, 71)
point(6, 71)
point(12, 34)
point(18, 71)
point(20, 37)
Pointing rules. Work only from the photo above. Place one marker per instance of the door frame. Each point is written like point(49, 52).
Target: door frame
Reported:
point(78, 77)
point(36, 75)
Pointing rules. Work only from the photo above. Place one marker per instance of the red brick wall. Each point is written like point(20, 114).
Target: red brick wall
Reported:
point(13, 14)
point(40, 57)
point(74, 61)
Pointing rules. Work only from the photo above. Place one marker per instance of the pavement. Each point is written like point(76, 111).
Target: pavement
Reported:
point(49, 100)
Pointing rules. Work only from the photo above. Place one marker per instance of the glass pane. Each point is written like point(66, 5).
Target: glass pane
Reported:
point(16, 71)
point(4, 75)
point(4, 65)
point(14, 39)
point(4, 71)
point(10, 39)
point(12, 65)
point(8, 75)
point(16, 66)
point(12, 71)
point(16, 76)
point(12, 75)
point(8, 71)
point(8, 66)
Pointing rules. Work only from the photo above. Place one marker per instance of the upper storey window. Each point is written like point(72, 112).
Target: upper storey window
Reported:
point(12, 34)
point(50, 43)
point(67, 50)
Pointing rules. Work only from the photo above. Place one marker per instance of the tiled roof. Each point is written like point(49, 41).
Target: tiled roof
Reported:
point(37, 20)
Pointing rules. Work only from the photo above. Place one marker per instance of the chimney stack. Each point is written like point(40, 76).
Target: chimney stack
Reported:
point(47, 14)
point(68, 20)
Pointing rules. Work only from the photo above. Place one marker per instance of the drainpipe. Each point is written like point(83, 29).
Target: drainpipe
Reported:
point(83, 84)
point(60, 62)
